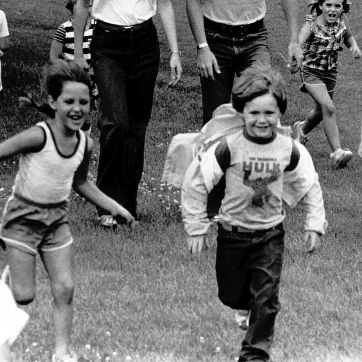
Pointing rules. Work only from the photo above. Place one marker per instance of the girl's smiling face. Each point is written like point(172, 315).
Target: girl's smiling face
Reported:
point(261, 116)
point(72, 105)
point(331, 11)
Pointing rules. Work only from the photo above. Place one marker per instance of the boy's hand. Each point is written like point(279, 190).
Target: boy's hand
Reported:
point(195, 243)
point(314, 240)
point(355, 50)
point(1, 53)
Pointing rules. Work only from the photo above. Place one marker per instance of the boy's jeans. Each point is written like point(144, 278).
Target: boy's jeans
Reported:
point(125, 62)
point(248, 271)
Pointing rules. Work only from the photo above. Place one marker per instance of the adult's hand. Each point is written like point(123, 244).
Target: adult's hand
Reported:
point(207, 63)
point(176, 69)
point(295, 53)
point(81, 62)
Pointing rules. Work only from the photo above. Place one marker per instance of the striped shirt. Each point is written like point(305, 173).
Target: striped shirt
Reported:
point(65, 35)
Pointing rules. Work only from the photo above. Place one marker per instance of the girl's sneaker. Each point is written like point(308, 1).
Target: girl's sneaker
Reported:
point(242, 319)
point(72, 357)
point(299, 134)
point(341, 157)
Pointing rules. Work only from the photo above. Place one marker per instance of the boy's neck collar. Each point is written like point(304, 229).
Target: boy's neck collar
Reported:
point(259, 140)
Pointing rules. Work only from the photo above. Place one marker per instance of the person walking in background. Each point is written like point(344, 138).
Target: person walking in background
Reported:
point(4, 44)
point(125, 56)
point(321, 37)
point(231, 37)
point(262, 169)
point(63, 48)
point(54, 156)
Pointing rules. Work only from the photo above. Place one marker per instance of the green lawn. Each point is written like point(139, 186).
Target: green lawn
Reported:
point(140, 296)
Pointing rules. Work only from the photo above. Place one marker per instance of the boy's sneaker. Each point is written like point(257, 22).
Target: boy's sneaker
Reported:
point(242, 319)
point(72, 357)
point(298, 133)
point(341, 157)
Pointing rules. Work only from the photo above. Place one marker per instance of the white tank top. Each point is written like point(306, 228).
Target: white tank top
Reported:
point(234, 12)
point(124, 12)
point(46, 177)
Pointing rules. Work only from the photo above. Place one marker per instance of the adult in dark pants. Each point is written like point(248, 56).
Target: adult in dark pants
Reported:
point(231, 37)
point(125, 56)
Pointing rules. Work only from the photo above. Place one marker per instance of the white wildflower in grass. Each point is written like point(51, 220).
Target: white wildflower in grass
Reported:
point(218, 350)
point(128, 358)
point(114, 354)
point(108, 333)
point(202, 339)
point(87, 346)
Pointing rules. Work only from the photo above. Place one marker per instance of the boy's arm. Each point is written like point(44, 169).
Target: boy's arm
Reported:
point(30, 140)
point(56, 50)
point(85, 188)
point(81, 13)
point(167, 16)
point(353, 47)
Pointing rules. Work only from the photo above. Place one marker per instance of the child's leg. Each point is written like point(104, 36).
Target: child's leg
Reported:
point(266, 267)
point(22, 273)
point(60, 265)
point(321, 96)
point(314, 117)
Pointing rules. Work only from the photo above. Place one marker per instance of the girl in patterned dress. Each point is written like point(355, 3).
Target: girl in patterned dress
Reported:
point(322, 37)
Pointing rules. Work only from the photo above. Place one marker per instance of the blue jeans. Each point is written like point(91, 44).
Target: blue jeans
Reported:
point(125, 62)
point(235, 50)
point(248, 272)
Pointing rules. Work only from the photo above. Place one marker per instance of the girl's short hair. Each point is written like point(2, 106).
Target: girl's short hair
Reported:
point(54, 76)
point(315, 6)
point(257, 81)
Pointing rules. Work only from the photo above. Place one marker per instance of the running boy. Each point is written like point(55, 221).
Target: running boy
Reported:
point(54, 156)
point(321, 37)
point(262, 169)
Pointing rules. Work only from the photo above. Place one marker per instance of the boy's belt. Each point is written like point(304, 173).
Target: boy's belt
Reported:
point(233, 30)
point(240, 229)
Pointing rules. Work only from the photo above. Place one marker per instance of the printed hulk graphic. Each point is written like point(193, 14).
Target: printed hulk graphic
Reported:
point(260, 187)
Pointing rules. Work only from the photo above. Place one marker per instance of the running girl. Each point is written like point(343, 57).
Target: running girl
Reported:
point(54, 156)
point(321, 37)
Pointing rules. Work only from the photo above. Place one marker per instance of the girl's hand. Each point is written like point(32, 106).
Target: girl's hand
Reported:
point(120, 211)
point(1, 54)
point(314, 240)
point(176, 69)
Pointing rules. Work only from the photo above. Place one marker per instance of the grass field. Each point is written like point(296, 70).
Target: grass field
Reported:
point(140, 296)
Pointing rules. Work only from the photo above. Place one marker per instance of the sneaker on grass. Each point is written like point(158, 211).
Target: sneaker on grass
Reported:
point(299, 134)
point(242, 319)
point(341, 157)
point(72, 357)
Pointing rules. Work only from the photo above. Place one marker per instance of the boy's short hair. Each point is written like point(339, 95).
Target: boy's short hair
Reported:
point(257, 81)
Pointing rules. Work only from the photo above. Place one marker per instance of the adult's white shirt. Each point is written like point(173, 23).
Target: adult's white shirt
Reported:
point(4, 31)
point(234, 12)
point(124, 12)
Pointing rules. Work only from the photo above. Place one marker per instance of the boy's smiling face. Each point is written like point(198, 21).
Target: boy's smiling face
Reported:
point(261, 116)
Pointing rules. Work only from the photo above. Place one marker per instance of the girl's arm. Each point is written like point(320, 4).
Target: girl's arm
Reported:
point(305, 33)
point(27, 141)
point(93, 194)
point(167, 15)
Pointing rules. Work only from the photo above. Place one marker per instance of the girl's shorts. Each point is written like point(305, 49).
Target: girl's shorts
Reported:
point(32, 227)
point(316, 77)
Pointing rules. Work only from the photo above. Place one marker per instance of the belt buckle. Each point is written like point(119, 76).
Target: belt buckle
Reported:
point(127, 27)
